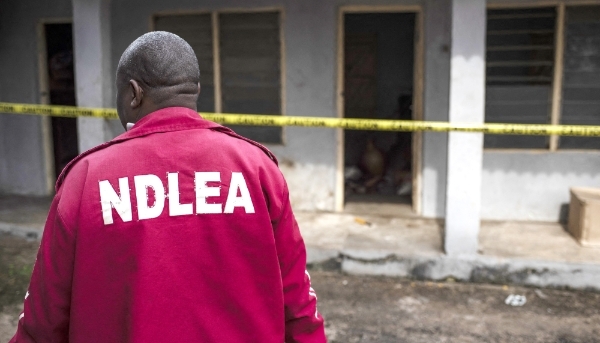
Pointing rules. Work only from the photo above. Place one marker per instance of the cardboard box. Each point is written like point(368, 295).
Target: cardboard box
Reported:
point(584, 216)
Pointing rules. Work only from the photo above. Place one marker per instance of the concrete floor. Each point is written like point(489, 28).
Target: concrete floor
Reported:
point(529, 253)
point(535, 240)
point(525, 253)
point(419, 236)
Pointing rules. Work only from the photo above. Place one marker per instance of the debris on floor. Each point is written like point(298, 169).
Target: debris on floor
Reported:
point(515, 300)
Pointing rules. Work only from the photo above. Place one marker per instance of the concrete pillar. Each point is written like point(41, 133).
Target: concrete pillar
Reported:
point(437, 24)
point(467, 103)
point(93, 75)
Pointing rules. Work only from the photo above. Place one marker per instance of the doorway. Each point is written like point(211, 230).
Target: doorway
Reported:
point(379, 83)
point(60, 75)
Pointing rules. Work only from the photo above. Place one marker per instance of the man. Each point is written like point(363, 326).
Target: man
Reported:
point(178, 230)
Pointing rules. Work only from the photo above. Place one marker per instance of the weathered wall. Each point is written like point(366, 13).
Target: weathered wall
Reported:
point(534, 185)
point(22, 160)
point(436, 100)
point(310, 57)
point(516, 184)
point(310, 32)
point(533, 2)
point(308, 156)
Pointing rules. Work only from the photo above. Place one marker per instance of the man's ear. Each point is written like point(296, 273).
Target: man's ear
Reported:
point(199, 88)
point(137, 93)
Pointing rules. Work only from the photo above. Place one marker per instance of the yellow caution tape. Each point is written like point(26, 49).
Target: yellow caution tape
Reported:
point(58, 111)
point(344, 123)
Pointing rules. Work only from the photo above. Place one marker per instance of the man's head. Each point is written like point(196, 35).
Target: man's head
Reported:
point(158, 70)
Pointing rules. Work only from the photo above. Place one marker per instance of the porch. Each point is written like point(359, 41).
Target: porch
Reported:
point(529, 253)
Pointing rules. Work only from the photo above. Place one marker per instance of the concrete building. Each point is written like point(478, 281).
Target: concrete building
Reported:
point(469, 61)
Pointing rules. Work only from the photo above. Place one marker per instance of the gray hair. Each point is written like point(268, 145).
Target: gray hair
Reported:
point(160, 59)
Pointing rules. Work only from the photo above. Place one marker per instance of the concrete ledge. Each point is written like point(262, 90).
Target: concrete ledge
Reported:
point(23, 216)
point(531, 254)
point(33, 232)
point(475, 269)
point(317, 255)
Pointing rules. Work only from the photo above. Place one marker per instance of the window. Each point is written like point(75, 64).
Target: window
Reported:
point(519, 72)
point(196, 29)
point(543, 67)
point(241, 73)
point(581, 74)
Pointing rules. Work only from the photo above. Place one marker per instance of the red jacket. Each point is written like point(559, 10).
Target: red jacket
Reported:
point(178, 230)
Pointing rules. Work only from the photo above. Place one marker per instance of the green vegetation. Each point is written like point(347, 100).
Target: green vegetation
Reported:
point(16, 264)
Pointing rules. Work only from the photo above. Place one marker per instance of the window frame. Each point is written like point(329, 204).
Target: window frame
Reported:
point(218, 100)
point(557, 77)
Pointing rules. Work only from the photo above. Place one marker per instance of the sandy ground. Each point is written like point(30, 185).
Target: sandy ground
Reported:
point(376, 309)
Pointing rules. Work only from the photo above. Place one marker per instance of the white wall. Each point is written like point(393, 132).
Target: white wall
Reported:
point(516, 184)
point(436, 101)
point(533, 185)
point(310, 27)
point(22, 160)
point(308, 156)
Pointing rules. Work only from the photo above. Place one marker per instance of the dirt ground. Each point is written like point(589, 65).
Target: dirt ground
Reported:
point(16, 262)
point(377, 309)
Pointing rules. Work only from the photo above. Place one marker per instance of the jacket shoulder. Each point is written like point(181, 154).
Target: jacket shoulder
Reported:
point(231, 133)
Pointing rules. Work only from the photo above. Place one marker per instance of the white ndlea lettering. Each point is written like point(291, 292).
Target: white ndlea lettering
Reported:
point(244, 200)
point(142, 185)
point(109, 199)
point(175, 207)
point(203, 192)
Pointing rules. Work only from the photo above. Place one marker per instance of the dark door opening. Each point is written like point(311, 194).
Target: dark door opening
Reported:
point(61, 86)
point(378, 84)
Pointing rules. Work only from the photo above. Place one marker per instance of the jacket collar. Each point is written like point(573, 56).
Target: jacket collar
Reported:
point(164, 120)
point(168, 119)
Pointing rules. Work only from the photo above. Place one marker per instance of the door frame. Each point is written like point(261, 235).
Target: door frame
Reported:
point(417, 140)
point(44, 98)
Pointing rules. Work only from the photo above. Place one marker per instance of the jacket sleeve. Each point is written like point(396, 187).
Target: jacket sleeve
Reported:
point(303, 322)
point(45, 317)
